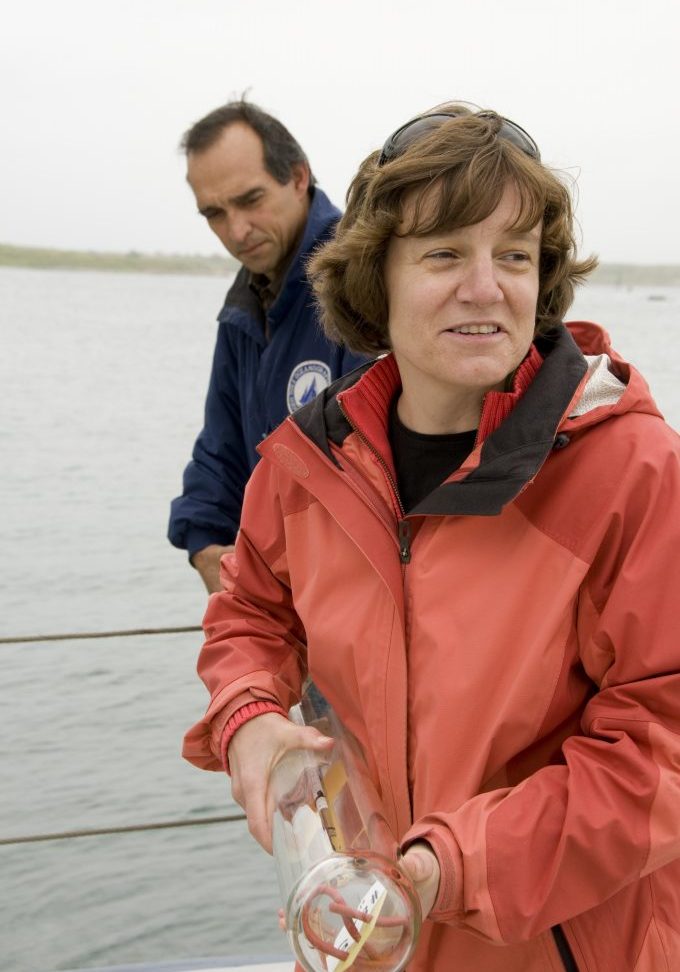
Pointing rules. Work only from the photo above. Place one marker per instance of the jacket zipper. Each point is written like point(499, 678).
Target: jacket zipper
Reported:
point(403, 525)
point(564, 949)
point(404, 539)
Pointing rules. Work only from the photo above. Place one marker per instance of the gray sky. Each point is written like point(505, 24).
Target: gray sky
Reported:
point(96, 95)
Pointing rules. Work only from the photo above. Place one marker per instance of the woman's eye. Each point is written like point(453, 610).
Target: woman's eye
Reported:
point(441, 255)
point(517, 257)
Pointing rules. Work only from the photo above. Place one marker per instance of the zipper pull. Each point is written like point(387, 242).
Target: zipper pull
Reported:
point(405, 541)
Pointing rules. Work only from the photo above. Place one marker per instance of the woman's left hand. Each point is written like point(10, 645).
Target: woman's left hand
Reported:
point(422, 866)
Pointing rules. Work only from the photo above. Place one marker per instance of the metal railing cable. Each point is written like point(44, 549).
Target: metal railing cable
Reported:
point(130, 829)
point(75, 636)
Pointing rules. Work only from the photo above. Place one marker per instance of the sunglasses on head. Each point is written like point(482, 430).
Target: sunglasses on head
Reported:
point(409, 133)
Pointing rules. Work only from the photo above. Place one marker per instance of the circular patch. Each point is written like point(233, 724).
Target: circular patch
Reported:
point(306, 381)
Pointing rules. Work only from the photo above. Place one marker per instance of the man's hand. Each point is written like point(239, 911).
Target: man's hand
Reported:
point(254, 750)
point(422, 866)
point(207, 563)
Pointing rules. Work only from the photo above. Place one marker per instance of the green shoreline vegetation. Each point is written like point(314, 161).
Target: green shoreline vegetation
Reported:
point(43, 258)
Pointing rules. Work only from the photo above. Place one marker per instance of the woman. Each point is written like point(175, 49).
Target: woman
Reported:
point(470, 546)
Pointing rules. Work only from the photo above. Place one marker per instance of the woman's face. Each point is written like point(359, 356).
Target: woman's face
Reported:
point(462, 312)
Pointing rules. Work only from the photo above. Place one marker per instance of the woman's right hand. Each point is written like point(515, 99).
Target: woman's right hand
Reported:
point(254, 750)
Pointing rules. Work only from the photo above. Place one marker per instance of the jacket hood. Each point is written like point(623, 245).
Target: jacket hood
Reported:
point(599, 398)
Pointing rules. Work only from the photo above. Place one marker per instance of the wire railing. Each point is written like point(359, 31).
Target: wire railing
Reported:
point(130, 828)
point(79, 635)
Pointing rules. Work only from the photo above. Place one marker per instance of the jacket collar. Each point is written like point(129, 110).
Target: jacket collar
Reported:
point(321, 220)
point(519, 427)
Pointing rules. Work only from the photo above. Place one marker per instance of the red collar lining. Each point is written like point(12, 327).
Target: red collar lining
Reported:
point(498, 405)
point(367, 403)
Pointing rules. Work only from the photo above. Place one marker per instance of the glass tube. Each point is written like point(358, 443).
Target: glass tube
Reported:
point(346, 902)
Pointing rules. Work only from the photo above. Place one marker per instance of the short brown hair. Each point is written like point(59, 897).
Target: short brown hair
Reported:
point(456, 176)
point(280, 150)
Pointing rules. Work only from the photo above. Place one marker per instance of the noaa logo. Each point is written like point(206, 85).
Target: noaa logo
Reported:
point(306, 381)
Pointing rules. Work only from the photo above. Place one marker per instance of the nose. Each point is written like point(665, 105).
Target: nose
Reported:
point(479, 283)
point(239, 228)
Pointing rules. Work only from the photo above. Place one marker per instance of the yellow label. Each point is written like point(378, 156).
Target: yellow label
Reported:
point(334, 781)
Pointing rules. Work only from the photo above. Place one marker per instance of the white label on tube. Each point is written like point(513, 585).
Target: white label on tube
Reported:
point(373, 899)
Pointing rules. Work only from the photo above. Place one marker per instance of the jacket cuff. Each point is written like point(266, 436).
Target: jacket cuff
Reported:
point(246, 712)
point(448, 905)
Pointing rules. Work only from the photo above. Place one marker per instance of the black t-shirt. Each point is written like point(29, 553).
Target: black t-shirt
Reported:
point(423, 462)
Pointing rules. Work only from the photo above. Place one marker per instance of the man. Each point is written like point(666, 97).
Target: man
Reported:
point(254, 187)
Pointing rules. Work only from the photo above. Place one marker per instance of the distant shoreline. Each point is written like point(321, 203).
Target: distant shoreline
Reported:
point(43, 258)
point(635, 274)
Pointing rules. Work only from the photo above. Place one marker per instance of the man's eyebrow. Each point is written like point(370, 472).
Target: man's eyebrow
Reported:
point(241, 200)
point(246, 197)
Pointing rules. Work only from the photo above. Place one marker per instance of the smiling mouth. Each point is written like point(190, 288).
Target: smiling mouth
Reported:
point(475, 329)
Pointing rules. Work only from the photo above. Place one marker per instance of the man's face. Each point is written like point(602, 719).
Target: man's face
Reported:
point(257, 220)
point(462, 315)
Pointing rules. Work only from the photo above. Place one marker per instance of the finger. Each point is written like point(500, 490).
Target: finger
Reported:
point(307, 737)
point(267, 843)
point(422, 867)
point(259, 818)
point(259, 825)
point(419, 865)
point(237, 792)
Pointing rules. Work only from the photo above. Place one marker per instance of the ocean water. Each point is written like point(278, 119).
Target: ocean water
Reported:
point(102, 380)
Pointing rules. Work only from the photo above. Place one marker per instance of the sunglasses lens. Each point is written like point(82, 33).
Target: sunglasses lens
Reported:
point(513, 133)
point(399, 141)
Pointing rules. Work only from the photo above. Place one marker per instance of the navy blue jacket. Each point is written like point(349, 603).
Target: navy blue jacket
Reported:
point(254, 385)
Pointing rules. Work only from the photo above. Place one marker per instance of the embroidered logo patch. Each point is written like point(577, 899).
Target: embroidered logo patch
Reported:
point(306, 381)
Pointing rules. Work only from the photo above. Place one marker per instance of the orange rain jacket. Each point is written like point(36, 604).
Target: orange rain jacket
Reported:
point(507, 653)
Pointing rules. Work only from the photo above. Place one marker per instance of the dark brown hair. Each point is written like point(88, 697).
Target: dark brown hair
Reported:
point(454, 176)
point(281, 150)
